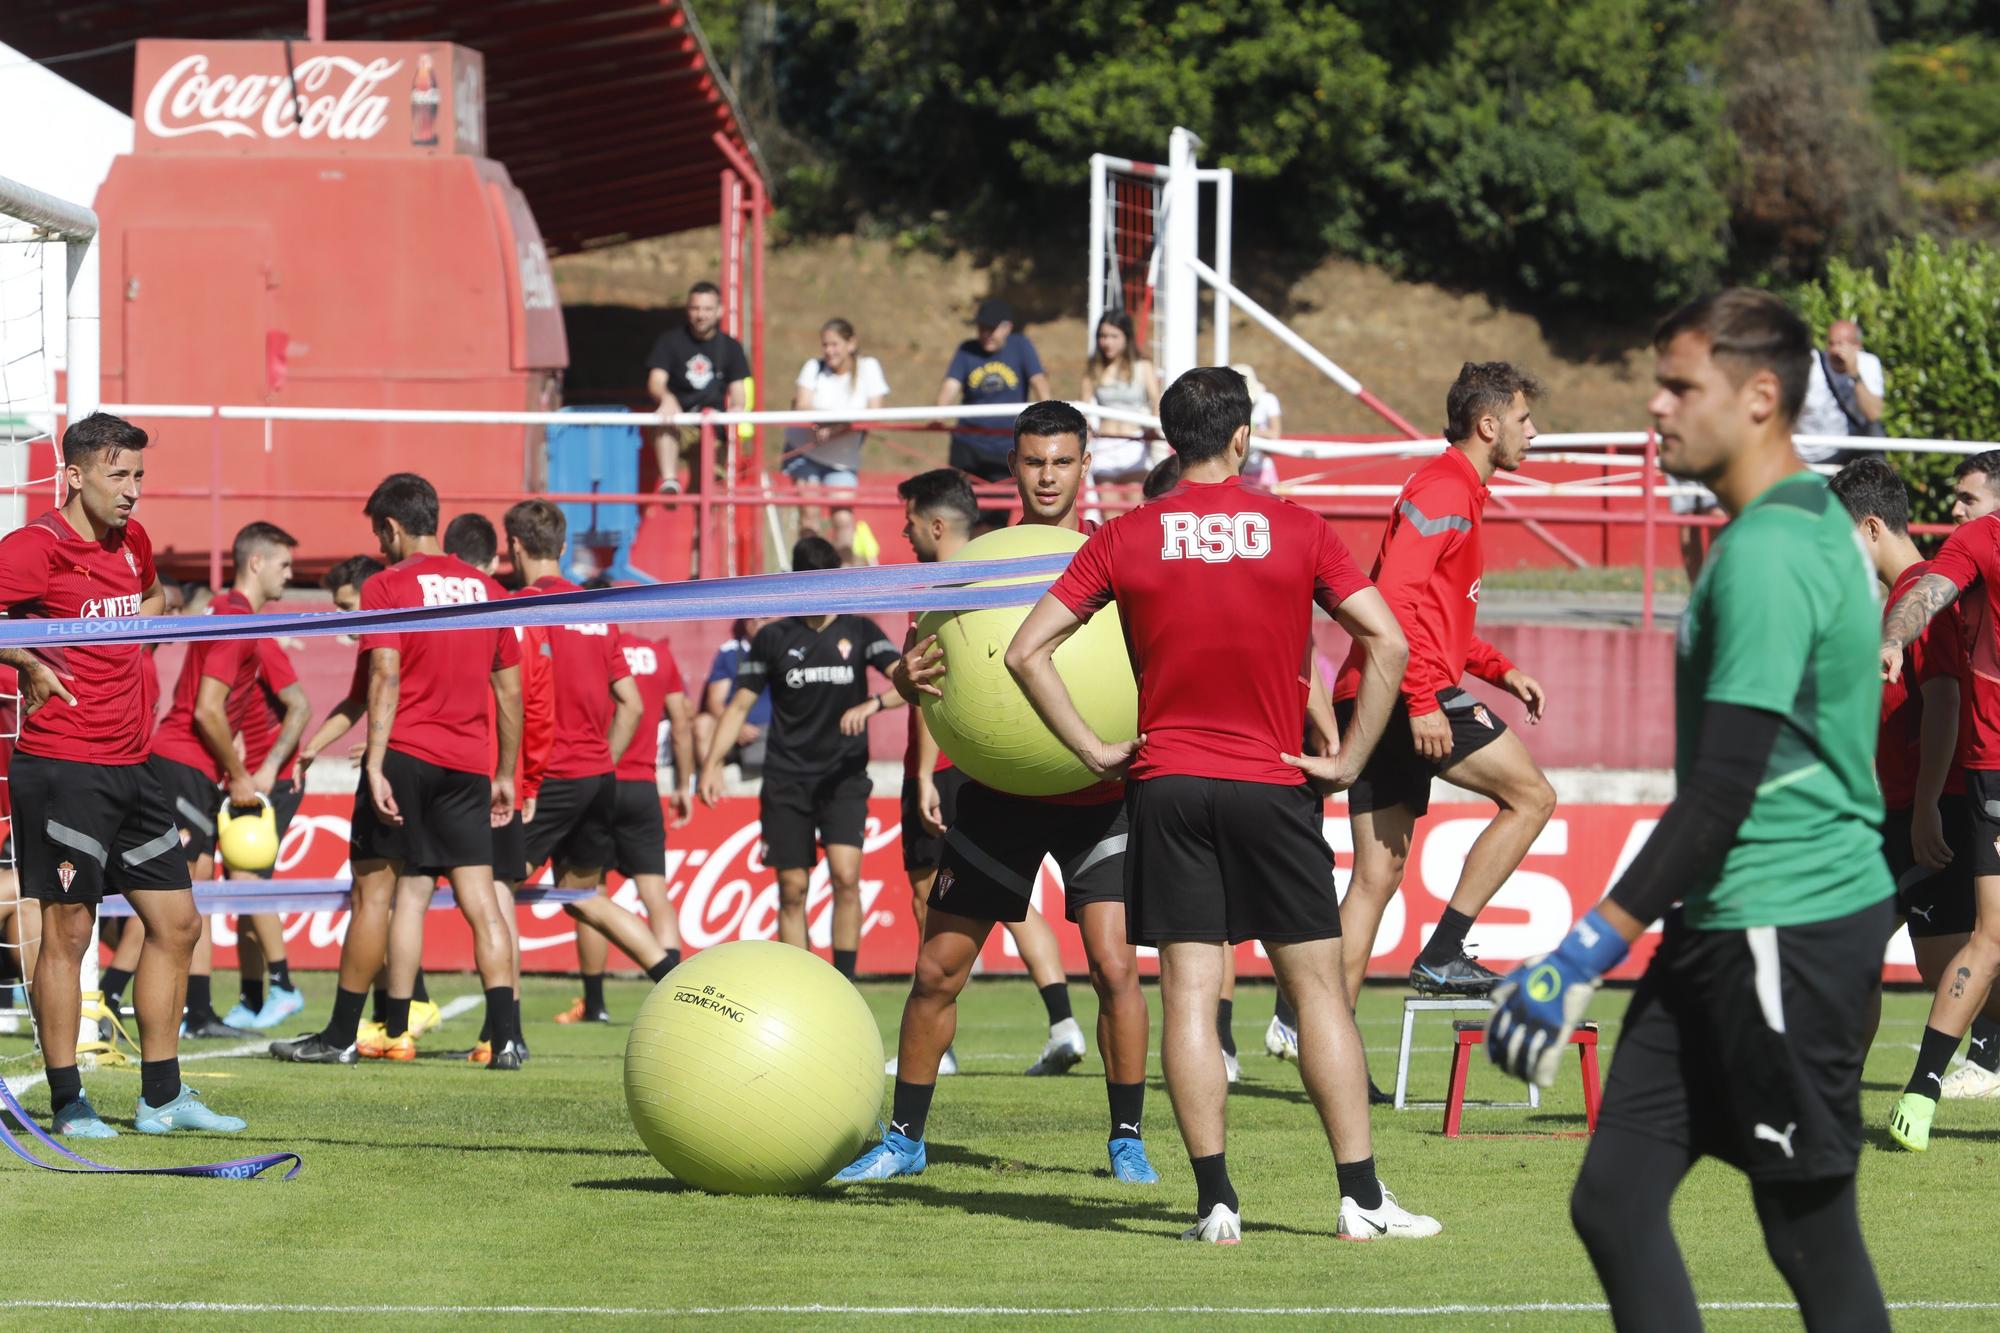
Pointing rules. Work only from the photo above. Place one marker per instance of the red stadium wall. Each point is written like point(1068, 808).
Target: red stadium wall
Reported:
point(723, 892)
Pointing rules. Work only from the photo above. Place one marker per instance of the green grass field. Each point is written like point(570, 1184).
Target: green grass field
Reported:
point(440, 1194)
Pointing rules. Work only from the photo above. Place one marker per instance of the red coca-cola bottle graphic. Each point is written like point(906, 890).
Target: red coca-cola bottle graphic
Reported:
point(424, 98)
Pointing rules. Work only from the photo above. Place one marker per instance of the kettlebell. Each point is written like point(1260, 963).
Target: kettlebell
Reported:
point(248, 841)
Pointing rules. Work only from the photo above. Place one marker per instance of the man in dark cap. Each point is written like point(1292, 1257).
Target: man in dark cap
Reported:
point(997, 366)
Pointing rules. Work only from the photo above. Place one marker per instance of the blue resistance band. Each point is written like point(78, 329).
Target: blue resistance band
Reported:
point(939, 587)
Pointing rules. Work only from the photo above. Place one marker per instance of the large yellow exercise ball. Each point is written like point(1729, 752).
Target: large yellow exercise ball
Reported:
point(754, 1068)
point(984, 721)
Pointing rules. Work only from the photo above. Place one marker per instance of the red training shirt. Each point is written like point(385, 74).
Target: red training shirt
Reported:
point(48, 571)
point(1937, 653)
point(1215, 584)
point(255, 714)
point(1428, 569)
point(231, 661)
point(1972, 555)
point(587, 663)
point(651, 663)
point(444, 713)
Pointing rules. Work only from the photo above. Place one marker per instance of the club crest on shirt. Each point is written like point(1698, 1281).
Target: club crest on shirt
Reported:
point(131, 563)
point(1484, 718)
point(846, 647)
point(66, 873)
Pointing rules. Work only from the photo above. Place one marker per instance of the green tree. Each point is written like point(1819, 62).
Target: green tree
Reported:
point(1932, 313)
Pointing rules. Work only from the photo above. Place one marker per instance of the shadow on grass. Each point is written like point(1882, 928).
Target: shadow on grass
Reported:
point(459, 1149)
point(638, 1185)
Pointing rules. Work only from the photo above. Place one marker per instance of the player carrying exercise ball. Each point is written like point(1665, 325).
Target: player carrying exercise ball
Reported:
point(1744, 1039)
point(1215, 585)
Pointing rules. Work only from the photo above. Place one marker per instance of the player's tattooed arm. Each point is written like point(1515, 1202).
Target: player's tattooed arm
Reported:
point(1912, 613)
point(39, 683)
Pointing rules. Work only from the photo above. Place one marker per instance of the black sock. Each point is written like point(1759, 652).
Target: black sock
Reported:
point(281, 974)
point(910, 1108)
point(843, 962)
point(660, 969)
point(593, 994)
point(1286, 1014)
point(159, 1081)
point(1932, 1057)
point(252, 991)
point(517, 1019)
point(1225, 1013)
point(65, 1086)
point(1357, 1182)
point(486, 1027)
point(1448, 941)
point(500, 1013)
point(1984, 1048)
point(1055, 999)
point(200, 1000)
point(420, 992)
point(114, 983)
point(398, 1021)
point(380, 1012)
point(1128, 1108)
point(347, 1004)
point(673, 959)
point(1211, 1184)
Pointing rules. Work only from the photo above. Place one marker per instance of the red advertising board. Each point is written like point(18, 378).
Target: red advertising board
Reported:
point(722, 892)
point(375, 98)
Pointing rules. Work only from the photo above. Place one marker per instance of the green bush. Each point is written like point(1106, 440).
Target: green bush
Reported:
point(1933, 315)
point(1941, 103)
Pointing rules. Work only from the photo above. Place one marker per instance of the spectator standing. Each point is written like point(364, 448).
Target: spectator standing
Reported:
point(996, 366)
point(1119, 377)
point(692, 367)
point(1843, 394)
point(839, 381)
point(1267, 422)
point(852, 538)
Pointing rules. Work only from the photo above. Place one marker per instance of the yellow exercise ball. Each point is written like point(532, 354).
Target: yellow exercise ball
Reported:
point(984, 722)
point(754, 1068)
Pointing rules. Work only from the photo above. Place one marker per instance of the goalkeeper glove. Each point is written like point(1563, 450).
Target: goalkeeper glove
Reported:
point(1541, 1002)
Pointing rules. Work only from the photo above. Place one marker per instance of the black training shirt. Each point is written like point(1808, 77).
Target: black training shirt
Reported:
point(814, 676)
point(699, 373)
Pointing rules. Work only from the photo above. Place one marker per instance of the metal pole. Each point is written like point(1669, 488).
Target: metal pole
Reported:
point(1179, 288)
point(315, 20)
point(1225, 207)
point(704, 484)
point(756, 462)
point(215, 501)
point(1646, 531)
point(1094, 290)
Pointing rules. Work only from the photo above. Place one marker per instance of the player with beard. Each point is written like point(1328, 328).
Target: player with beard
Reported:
point(993, 853)
point(90, 815)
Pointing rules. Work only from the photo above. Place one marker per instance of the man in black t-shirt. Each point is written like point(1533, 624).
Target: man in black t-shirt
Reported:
point(693, 367)
point(815, 771)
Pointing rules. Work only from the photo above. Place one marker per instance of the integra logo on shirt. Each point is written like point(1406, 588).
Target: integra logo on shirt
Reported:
point(826, 675)
point(445, 590)
point(107, 608)
point(1215, 538)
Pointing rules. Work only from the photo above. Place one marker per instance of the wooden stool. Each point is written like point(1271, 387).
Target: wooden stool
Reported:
point(1469, 1033)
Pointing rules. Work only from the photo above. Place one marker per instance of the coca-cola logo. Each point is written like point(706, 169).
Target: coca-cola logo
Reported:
point(336, 98)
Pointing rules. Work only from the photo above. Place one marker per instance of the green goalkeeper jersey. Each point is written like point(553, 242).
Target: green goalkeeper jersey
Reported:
point(1784, 618)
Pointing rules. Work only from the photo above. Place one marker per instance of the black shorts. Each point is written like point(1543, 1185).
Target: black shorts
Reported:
point(510, 851)
point(993, 851)
point(638, 830)
point(922, 849)
point(447, 822)
point(572, 823)
point(1396, 774)
point(1934, 902)
point(195, 799)
point(1746, 1045)
point(286, 798)
point(801, 814)
point(1982, 795)
point(85, 830)
point(1219, 860)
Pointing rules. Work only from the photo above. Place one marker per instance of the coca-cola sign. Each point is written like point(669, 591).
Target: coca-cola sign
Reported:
point(379, 98)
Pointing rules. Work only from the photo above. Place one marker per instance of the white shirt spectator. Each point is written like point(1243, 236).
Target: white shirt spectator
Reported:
point(1264, 411)
point(1821, 414)
point(842, 397)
